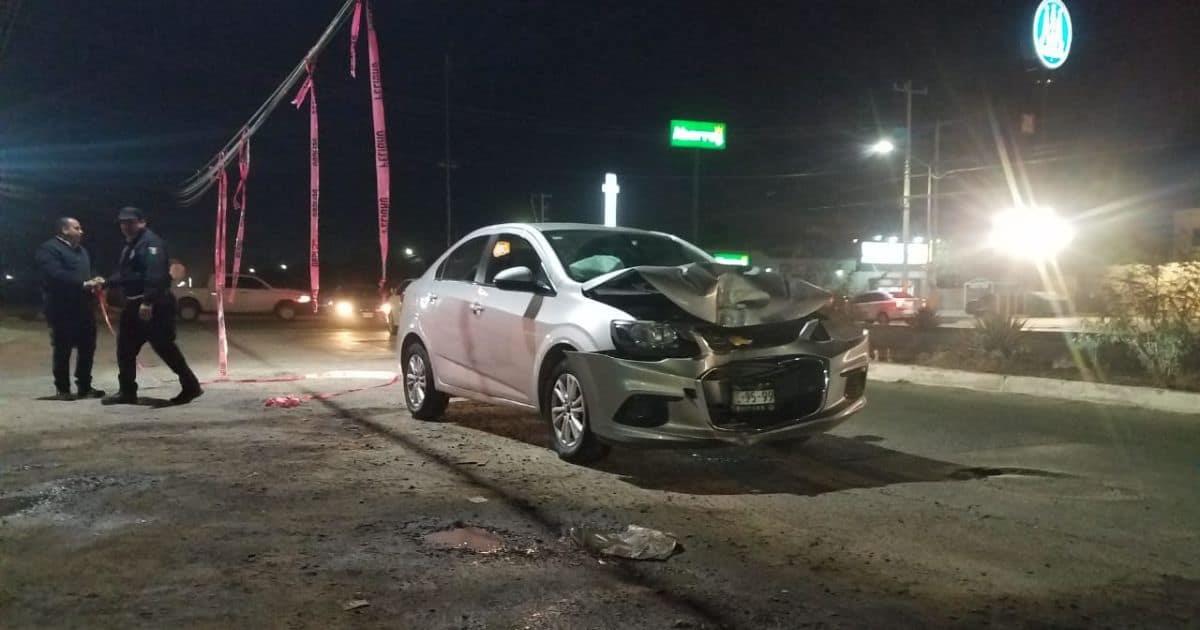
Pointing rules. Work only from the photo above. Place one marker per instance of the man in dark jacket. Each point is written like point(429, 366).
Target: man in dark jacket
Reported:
point(68, 296)
point(143, 274)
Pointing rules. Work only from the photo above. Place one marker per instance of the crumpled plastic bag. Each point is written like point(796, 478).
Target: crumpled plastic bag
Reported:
point(635, 543)
point(284, 401)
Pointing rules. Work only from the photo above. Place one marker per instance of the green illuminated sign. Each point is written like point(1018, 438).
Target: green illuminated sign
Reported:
point(741, 259)
point(695, 134)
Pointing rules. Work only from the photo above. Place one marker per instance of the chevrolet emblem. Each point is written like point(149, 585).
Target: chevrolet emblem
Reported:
point(738, 342)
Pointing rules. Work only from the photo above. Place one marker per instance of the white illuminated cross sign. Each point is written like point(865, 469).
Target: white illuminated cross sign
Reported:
point(610, 190)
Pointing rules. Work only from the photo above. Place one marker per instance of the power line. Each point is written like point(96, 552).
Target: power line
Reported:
point(199, 183)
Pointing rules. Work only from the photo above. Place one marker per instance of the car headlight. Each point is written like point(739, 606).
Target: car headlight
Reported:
point(652, 340)
point(385, 308)
point(344, 308)
point(304, 299)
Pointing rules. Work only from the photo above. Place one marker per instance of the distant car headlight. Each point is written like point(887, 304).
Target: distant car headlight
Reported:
point(304, 299)
point(652, 340)
point(386, 308)
point(344, 308)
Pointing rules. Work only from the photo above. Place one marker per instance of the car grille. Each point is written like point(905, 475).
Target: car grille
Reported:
point(799, 384)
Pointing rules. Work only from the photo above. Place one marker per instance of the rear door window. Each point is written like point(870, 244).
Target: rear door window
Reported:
point(462, 264)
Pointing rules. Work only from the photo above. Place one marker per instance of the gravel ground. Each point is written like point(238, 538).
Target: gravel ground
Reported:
point(933, 508)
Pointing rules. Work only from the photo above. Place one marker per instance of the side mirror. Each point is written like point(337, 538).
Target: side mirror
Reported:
point(518, 279)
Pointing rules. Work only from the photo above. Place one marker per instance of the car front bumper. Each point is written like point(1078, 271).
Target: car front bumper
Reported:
point(670, 402)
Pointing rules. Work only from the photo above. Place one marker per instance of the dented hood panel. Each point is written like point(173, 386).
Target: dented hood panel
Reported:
point(724, 295)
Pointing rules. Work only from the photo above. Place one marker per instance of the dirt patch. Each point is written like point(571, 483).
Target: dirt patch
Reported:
point(473, 539)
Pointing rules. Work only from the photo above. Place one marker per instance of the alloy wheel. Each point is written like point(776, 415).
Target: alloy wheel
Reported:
point(568, 413)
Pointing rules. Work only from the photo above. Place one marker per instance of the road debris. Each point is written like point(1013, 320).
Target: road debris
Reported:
point(635, 543)
point(477, 500)
point(355, 604)
point(285, 402)
point(474, 539)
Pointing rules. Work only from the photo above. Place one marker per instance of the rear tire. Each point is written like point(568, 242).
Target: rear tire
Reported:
point(286, 311)
point(189, 310)
point(565, 410)
point(424, 401)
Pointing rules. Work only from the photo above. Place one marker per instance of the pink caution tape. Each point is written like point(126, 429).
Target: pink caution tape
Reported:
point(219, 271)
point(308, 90)
point(383, 183)
point(294, 401)
point(239, 203)
point(283, 401)
point(355, 24)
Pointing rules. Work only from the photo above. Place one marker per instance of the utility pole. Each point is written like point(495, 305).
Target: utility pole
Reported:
point(447, 164)
point(537, 204)
point(696, 197)
point(908, 91)
point(931, 209)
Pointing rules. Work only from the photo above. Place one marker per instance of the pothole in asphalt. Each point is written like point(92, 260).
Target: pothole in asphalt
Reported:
point(52, 495)
point(473, 539)
point(983, 472)
point(16, 505)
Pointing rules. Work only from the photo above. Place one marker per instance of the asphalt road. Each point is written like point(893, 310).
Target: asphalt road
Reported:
point(934, 507)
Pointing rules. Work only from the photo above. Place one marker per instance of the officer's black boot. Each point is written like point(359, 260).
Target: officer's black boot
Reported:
point(122, 397)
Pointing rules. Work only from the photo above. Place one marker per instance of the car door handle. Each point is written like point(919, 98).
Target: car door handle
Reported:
point(433, 298)
point(476, 308)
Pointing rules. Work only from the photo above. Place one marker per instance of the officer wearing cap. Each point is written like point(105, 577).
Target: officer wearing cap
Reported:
point(143, 273)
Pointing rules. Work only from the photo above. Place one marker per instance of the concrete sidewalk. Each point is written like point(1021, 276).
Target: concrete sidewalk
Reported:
point(1081, 391)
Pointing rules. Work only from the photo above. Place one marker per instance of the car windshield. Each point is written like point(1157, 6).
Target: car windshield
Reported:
point(587, 254)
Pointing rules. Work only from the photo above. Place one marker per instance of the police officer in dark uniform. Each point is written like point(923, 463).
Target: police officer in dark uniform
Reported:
point(68, 296)
point(143, 273)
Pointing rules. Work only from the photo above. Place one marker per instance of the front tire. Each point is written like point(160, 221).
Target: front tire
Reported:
point(882, 319)
point(286, 311)
point(189, 310)
point(424, 401)
point(565, 410)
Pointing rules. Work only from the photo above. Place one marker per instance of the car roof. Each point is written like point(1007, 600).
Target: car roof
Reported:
point(555, 227)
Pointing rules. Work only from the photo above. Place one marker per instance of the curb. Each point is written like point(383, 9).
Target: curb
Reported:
point(1080, 391)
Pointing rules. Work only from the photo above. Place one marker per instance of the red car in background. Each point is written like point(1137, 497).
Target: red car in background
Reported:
point(884, 307)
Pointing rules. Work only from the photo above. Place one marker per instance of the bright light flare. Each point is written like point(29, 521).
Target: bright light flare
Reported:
point(304, 299)
point(1035, 234)
point(385, 308)
point(883, 147)
point(344, 308)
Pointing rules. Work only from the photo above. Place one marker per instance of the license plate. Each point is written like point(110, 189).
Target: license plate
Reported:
point(753, 398)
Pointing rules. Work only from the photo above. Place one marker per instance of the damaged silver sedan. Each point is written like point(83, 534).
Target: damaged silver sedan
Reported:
point(621, 336)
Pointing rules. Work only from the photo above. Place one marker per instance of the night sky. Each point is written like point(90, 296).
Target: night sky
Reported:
point(104, 104)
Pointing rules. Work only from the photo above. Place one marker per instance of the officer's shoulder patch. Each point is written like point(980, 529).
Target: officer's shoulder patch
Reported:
point(153, 250)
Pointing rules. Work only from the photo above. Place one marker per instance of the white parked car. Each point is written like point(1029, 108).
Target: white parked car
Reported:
point(391, 308)
point(252, 295)
point(624, 336)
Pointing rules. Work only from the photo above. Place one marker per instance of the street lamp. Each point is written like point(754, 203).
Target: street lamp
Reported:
point(885, 147)
point(882, 147)
point(408, 251)
point(282, 266)
point(1036, 234)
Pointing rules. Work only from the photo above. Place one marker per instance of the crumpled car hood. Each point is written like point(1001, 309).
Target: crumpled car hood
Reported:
point(726, 295)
